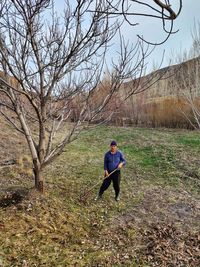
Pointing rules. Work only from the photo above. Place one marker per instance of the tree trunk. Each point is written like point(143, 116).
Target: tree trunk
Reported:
point(39, 181)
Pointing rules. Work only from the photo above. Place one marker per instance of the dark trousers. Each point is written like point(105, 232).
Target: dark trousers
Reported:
point(115, 179)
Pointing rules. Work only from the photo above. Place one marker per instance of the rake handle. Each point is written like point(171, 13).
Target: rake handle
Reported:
point(89, 190)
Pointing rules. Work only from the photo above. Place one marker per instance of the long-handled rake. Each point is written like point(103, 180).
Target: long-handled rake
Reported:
point(85, 195)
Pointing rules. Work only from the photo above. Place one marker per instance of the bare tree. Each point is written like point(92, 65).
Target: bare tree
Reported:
point(189, 80)
point(190, 91)
point(52, 67)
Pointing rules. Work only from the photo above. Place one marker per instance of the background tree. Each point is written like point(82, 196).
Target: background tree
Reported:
point(189, 80)
point(52, 67)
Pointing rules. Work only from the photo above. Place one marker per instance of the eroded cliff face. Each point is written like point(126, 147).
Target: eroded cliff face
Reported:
point(166, 102)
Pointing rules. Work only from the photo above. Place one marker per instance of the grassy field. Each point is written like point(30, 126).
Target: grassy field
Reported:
point(156, 222)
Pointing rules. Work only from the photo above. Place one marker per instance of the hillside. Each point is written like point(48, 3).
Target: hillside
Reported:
point(156, 222)
point(164, 102)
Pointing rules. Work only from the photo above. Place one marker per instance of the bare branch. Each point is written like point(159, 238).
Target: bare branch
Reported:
point(52, 67)
point(9, 120)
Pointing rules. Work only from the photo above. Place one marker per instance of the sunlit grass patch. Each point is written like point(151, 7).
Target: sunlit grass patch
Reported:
point(189, 141)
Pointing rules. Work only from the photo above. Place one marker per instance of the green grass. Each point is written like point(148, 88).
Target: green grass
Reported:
point(56, 229)
point(189, 141)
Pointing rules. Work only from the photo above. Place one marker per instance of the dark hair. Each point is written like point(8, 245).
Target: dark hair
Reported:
point(113, 143)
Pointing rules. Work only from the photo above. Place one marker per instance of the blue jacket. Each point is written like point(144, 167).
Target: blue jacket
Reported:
point(111, 161)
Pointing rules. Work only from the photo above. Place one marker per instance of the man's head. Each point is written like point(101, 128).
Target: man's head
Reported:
point(113, 146)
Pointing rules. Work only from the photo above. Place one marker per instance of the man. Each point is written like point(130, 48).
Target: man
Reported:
point(113, 161)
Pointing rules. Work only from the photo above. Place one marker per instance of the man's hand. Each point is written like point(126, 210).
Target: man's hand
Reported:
point(120, 165)
point(106, 173)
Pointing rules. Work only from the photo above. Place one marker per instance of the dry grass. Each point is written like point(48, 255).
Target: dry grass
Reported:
point(160, 186)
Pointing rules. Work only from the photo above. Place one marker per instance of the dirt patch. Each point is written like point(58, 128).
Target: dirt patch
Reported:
point(162, 205)
point(10, 198)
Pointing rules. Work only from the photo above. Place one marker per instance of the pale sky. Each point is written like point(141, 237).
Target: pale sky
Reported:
point(182, 40)
point(178, 42)
point(152, 31)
